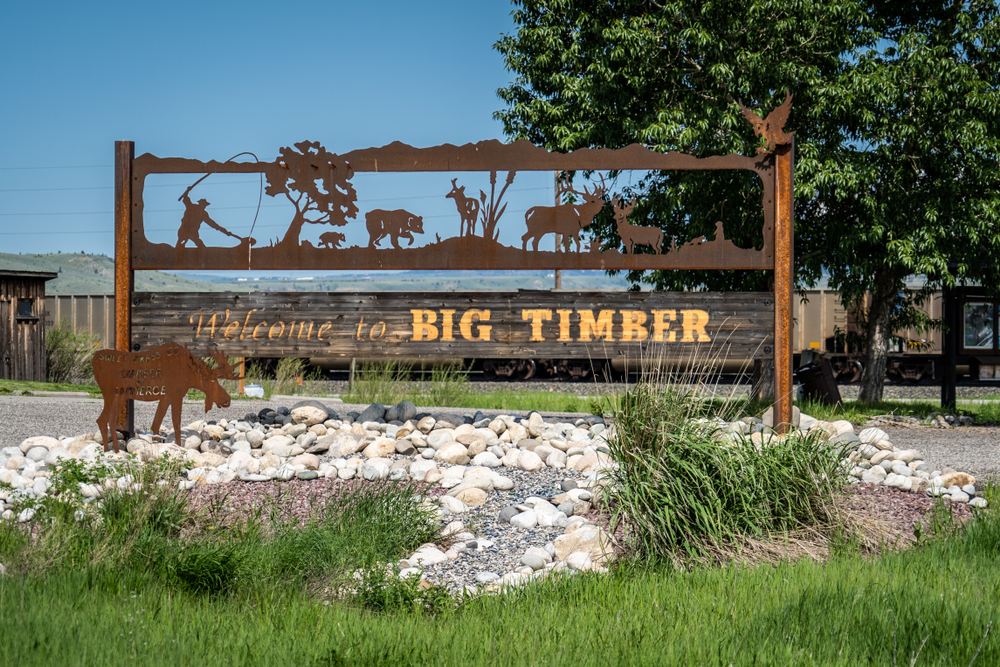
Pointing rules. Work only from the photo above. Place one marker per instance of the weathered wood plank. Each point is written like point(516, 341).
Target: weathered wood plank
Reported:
point(436, 325)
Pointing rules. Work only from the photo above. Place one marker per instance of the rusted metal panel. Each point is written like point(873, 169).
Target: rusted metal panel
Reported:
point(163, 374)
point(428, 325)
point(318, 185)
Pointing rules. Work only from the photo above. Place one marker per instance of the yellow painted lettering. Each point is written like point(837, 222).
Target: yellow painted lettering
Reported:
point(447, 325)
point(230, 329)
point(601, 328)
point(465, 326)
point(253, 336)
point(564, 336)
point(633, 328)
point(201, 317)
point(246, 322)
point(694, 321)
point(322, 328)
point(423, 325)
point(661, 324)
point(270, 332)
point(302, 325)
point(537, 318)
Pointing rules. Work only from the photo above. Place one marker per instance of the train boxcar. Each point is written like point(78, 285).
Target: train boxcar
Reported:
point(821, 325)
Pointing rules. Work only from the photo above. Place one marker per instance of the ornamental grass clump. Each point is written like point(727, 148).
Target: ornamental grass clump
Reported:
point(686, 487)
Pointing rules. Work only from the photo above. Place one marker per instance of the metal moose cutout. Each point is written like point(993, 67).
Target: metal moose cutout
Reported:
point(165, 373)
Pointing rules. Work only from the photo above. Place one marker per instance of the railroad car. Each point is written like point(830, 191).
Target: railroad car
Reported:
point(822, 326)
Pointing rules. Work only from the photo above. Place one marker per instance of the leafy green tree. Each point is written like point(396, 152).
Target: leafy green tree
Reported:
point(896, 114)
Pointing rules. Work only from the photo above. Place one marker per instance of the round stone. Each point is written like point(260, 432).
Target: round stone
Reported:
point(472, 497)
point(508, 513)
point(529, 461)
point(534, 561)
point(524, 520)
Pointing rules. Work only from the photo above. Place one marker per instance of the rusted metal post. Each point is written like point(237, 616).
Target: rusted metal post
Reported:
point(124, 276)
point(950, 348)
point(784, 278)
point(558, 239)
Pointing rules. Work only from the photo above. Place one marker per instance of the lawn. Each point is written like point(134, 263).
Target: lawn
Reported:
point(933, 605)
point(8, 387)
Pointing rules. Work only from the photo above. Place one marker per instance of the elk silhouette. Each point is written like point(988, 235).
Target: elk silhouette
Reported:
point(565, 219)
point(633, 235)
point(165, 373)
point(468, 208)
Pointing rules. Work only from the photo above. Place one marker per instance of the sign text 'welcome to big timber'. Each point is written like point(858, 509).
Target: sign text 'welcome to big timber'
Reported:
point(455, 324)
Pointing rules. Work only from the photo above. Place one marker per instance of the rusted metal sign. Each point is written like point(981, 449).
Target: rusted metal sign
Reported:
point(446, 325)
point(165, 374)
point(319, 187)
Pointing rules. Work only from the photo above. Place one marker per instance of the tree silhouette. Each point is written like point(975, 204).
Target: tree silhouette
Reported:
point(317, 183)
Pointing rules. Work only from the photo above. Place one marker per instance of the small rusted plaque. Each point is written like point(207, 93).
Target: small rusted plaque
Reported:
point(165, 374)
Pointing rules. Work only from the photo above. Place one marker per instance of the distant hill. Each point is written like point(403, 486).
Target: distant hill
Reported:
point(94, 274)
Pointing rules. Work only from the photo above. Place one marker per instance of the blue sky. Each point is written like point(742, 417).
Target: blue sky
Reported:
point(210, 79)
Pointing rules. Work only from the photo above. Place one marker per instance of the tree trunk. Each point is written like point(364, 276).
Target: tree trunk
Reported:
point(762, 380)
point(879, 335)
point(292, 235)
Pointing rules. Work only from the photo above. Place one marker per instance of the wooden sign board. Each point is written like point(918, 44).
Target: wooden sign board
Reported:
point(428, 325)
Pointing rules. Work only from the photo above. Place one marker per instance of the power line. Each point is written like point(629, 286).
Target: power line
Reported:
point(172, 229)
point(237, 208)
point(82, 166)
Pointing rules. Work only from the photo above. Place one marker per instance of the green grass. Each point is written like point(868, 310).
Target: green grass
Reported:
point(141, 579)
point(927, 606)
point(151, 533)
point(448, 387)
point(10, 386)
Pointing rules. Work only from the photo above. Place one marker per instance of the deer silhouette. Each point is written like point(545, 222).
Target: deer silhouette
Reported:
point(468, 208)
point(565, 219)
point(633, 235)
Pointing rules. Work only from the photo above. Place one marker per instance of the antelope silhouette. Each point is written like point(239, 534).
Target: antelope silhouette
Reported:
point(468, 208)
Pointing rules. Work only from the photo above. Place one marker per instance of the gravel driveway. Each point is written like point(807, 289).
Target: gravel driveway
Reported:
point(971, 449)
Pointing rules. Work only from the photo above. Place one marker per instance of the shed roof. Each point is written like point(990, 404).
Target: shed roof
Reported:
point(41, 275)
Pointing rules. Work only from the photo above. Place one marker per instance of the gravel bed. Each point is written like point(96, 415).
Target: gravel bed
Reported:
point(498, 546)
point(508, 543)
point(971, 449)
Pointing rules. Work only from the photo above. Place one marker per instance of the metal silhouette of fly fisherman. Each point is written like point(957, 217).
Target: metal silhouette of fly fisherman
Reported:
point(196, 214)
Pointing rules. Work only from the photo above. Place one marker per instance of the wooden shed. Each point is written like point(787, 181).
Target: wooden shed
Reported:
point(22, 325)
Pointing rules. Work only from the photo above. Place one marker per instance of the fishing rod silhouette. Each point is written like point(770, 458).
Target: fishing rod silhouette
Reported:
point(196, 214)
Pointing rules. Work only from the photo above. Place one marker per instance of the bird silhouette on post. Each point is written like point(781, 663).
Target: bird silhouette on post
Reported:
point(771, 128)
